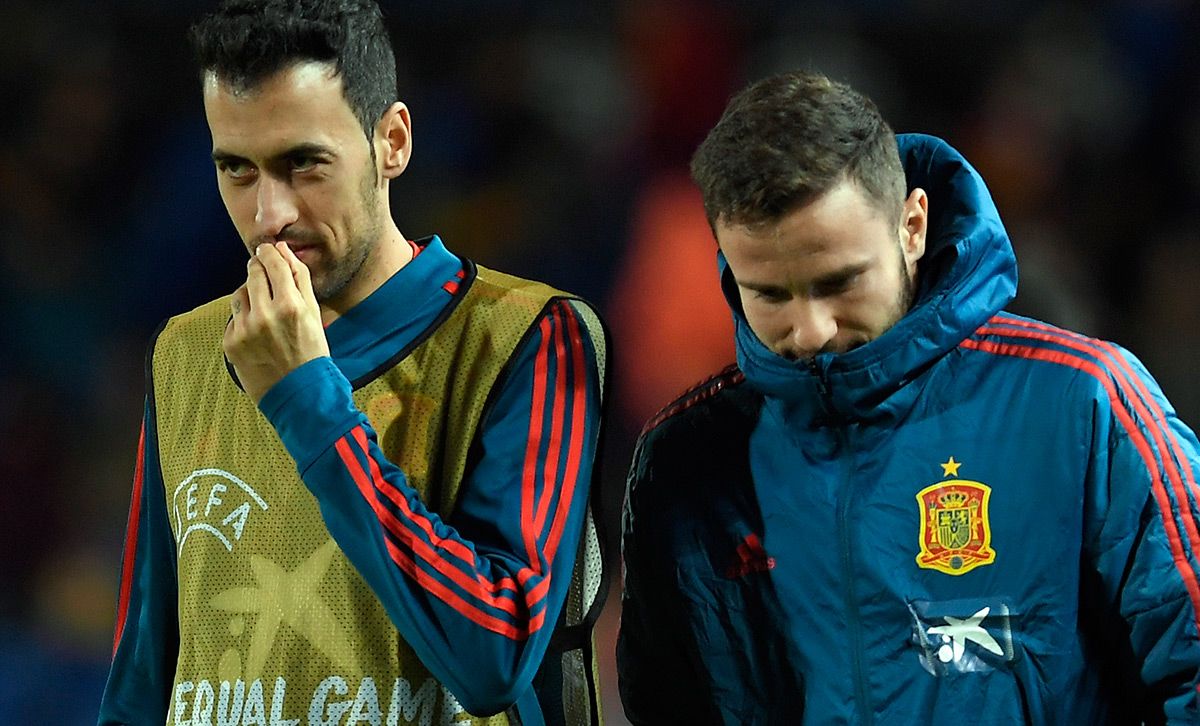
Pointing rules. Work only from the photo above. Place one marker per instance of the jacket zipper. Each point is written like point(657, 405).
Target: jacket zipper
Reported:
point(845, 493)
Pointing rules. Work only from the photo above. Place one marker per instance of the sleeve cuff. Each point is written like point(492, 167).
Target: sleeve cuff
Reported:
point(310, 408)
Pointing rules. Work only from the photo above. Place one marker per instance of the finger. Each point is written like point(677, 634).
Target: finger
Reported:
point(239, 303)
point(258, 285)
point(239, 306)
point(300, 273)
point(293, 262)
point(277, 270)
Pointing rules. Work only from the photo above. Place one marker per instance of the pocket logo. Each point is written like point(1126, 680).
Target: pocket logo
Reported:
point(957, 632)
point(962, 636)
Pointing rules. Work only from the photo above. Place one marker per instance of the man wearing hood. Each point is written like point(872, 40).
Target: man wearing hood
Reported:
point(903, 505)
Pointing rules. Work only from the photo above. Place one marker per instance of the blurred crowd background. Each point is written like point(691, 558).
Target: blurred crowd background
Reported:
point(551, 140)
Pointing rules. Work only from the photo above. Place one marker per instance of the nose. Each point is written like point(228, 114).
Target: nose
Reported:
point(276, 208)
point(813, 327)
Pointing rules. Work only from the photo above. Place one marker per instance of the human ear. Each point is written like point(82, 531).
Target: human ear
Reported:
point(393, 140)
point(914, 223)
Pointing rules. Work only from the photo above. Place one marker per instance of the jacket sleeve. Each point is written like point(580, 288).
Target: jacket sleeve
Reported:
point(146, 641)
point(1143, 536)
point(656, 668)
point(477, 595)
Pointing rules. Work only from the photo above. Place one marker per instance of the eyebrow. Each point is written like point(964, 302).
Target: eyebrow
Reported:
point(299, 150)
point(834, 277)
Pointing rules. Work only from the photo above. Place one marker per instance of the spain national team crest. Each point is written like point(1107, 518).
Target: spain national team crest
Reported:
point(955, 534)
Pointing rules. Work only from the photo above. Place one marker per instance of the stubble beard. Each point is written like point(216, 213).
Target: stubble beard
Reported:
point(908, 291)
point(904, 303)
point(329, 283)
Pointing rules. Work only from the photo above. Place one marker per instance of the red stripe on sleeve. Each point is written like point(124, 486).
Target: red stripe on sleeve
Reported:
point(131, 536)
point(533, 445)
point(456, 548)
point(558, 412)
point(427, 581)
point(483, 587)
point(1136, 436)
point(397, 528)
point(1164, 442)
point(448, 596)
point(575, 448)
point(1159, 416)
point(534, 508)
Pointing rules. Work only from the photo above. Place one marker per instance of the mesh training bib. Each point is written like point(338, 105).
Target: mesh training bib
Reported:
point(276, 626)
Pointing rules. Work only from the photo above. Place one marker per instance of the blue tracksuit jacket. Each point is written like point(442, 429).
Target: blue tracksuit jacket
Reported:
point(976, 518)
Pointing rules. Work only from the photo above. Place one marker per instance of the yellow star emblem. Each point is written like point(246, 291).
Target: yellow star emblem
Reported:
point(292, 598)
point(950, 468)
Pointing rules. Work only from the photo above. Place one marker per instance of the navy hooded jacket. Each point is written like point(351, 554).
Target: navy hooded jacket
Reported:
point(976, 518)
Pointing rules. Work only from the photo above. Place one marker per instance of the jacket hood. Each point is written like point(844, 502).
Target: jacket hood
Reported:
point(968, 274)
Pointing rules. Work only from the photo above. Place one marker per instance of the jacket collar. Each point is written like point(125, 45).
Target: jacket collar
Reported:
point(968, 274)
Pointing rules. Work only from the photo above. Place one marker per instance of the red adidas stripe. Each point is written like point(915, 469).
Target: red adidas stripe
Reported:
point(448, 596)
point(420, 547)
point(575, 446)
point(703, 391)
point(394, 495)
point(1135, 434)
point(554, 445)
point(1165, 443)
point(456, 548)
point(427, 581)
point(1114, 355)
point(534, 508)
point(131, 536)
point(533, 445)
point(481, 587)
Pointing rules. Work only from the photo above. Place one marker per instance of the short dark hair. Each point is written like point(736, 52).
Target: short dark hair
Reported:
point(244, 42)
point(785, 140)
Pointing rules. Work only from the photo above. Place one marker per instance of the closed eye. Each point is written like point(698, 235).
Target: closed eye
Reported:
point(768, 294)
point(771, 295)
point(835, 286)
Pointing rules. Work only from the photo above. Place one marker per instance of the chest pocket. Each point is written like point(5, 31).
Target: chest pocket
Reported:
point(974, 650)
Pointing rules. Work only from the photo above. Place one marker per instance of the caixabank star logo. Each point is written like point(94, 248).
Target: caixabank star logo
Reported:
point(956, 536)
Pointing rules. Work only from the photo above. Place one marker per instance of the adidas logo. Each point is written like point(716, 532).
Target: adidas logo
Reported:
point(751, 557)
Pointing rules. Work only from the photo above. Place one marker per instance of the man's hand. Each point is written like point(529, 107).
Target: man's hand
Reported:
point(276, 324)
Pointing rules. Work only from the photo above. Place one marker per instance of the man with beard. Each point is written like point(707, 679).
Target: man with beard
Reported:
point(364, 476)
point(903, 505)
